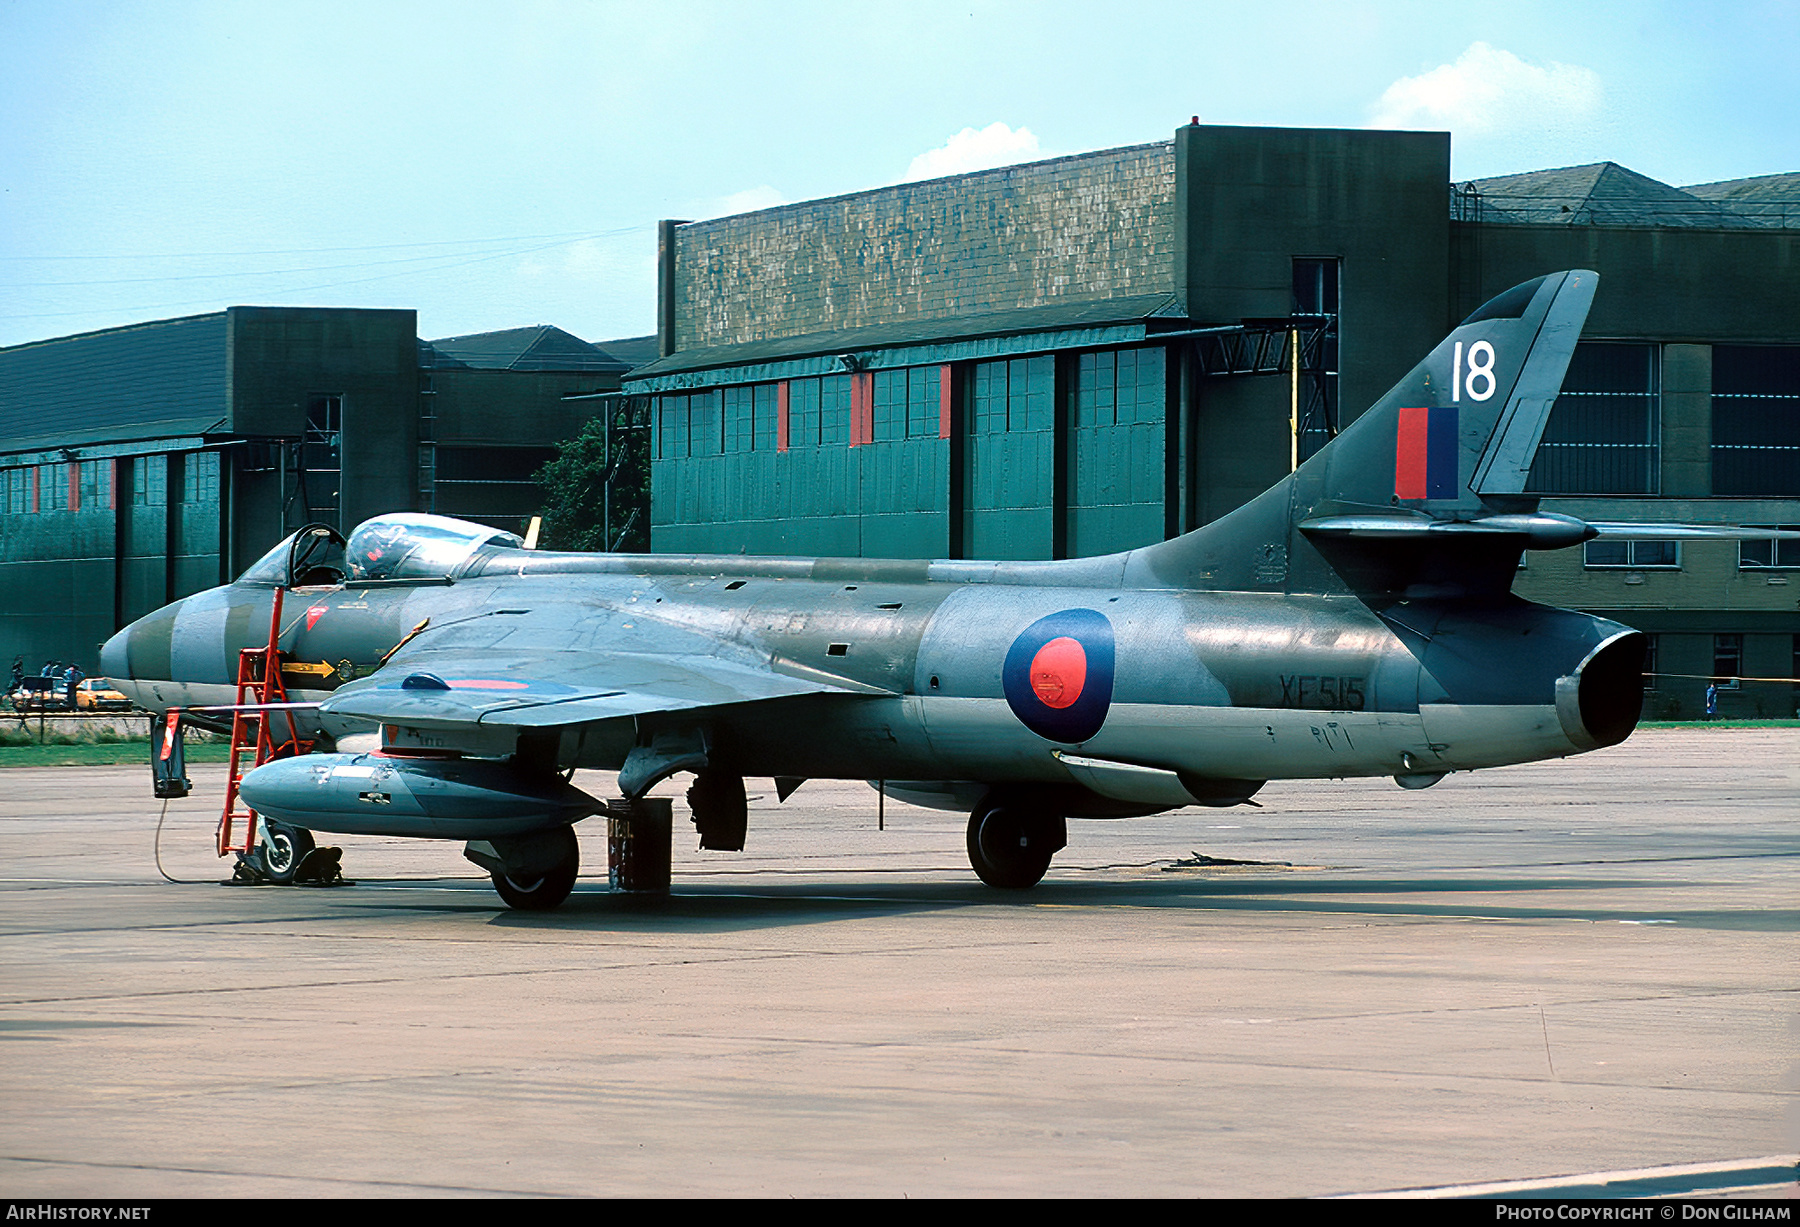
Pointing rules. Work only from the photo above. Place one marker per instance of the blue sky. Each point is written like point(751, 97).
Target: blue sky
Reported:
point(494, 165)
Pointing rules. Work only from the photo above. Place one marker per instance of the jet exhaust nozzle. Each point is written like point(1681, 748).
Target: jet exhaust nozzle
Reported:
point(1599, 704)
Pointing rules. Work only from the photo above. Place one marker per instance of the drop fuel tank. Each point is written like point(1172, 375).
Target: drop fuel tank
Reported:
point(378, 794)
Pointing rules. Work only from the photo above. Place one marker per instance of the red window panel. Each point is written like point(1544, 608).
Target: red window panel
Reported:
point(862, 408)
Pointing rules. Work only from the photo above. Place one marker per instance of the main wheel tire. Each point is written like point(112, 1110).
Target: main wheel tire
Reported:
point(282, 849)
point(1010, 847)
point(546, 891)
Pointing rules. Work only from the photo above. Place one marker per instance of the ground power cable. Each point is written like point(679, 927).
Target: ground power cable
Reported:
point(157, 847)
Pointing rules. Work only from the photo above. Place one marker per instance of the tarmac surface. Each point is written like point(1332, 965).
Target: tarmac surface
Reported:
point(1534, 974)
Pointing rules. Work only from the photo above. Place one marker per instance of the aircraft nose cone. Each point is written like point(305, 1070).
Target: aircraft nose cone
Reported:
point(115, 655)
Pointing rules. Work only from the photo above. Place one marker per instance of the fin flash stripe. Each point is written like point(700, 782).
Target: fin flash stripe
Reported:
point(1425, 454)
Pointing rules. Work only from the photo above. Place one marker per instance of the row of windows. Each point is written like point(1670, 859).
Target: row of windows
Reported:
point(88, 484)
point(1727, 664)
point(1666, 555)
point(1604, 434)
point(1010, 396)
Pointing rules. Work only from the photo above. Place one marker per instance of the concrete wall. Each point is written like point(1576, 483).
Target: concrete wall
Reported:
point(1081, 228)
point(1673, 284)
point(283, 356)
point(1253, 199)
point(512, 407)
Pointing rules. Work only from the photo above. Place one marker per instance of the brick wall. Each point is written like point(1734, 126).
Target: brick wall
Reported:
point(1081, 228)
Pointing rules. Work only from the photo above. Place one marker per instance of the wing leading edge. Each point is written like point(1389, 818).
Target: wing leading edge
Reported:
point(536, 689)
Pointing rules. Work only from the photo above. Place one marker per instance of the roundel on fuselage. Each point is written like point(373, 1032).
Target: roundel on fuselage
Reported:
point(1058, 675)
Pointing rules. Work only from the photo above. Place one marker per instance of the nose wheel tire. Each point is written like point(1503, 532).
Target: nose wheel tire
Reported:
point(540, 892)
point(1010, 846)
point(282, 849)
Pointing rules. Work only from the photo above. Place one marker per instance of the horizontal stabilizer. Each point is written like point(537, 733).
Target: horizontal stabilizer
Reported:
point(1537, 531)
point(1621, 530)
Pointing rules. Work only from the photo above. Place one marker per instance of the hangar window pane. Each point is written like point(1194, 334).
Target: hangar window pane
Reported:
point(803, 413)
point(987, 401)
point(1030, 393)
point(1770, 555)
point(1756, 420)
point(150, 481)
point(764, 409)
point(20, 486)
point(200, 478)
point(1095, 377)
point(705, 425)
point(1602, 434)
point(53, 487)
point(834, 410)
point(890, 405)
point(737, 418)
point(1014, 396)
point(906, 403)
point(924, 395)
point(672, 427)
point(1120, 388)
point(96, 483)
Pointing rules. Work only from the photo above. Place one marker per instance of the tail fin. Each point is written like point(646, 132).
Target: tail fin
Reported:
point(1423, 493)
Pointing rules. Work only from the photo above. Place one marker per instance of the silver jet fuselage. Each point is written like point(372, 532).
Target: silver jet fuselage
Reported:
point(1224, 688)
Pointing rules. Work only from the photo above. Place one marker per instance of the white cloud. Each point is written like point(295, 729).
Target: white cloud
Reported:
point(747, 201)
point(994, 145)
point(1488, 91)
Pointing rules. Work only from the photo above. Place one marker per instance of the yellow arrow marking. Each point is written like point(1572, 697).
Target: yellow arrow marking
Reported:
point(319, 670)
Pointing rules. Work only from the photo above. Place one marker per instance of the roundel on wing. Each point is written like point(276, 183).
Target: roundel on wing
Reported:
point(1058, 675)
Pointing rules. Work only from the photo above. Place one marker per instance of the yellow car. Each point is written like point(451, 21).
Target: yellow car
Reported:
point(97, 694)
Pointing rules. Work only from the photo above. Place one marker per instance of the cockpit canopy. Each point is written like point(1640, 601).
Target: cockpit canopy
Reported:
point(310, 558)
point(405, 545)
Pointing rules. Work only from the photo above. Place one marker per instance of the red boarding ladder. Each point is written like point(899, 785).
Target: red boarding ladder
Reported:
point(259, 685)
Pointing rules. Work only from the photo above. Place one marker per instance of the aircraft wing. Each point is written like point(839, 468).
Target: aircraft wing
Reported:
point(546, 671)
point(542, 689)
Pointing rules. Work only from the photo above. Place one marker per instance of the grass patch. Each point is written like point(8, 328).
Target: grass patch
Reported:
point(28, 736)
point(70, 753)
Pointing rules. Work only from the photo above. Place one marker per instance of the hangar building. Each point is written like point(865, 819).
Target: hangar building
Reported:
point(143, 463)
point(1089, 353)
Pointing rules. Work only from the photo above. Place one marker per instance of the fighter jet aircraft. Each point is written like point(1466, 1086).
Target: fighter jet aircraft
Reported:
point(1354, 620)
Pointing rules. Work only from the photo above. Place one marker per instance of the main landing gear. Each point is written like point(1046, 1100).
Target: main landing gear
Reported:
point(1011, 843)
point(532, 873)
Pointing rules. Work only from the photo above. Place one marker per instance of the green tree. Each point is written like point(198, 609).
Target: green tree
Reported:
point(589, 495)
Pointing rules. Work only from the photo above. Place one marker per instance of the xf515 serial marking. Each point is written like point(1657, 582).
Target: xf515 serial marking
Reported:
point(1354, 620)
